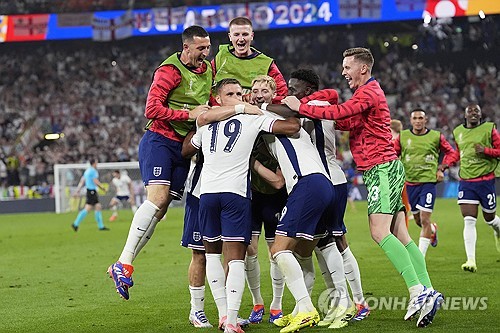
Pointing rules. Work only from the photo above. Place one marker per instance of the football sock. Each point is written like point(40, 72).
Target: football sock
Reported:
point(142, 220)
point(80, 217)
point(235, 285)
point(147, 235)
point(98, 219)
point(252, 274)
point(470, 237)
point(353, 275)
point(217, 281)
point(418, 262)
point(336, 267)
point(294, 280)
point(325, 273)
point(278, 285)
point(495, 223)
point(197, 298)
point(423, 244)
point(399, 257)
point(307, 266)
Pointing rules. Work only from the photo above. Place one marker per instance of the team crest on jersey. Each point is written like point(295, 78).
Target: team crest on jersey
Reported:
point(196, 236)
point(460, 194)
point(157, 171)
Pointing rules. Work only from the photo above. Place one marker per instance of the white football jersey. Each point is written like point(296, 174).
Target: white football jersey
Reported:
point(193, 179)
point(226, 147)
point(296, 156)
point(122, 185)
point(323, 137)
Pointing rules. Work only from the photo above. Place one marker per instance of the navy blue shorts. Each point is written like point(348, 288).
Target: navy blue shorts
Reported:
point(225, 216)
point(266, 208)
point(122, 197)
point(309, 211)
point(421, 197)
point(161, 163)
point(478, 193)
point(191, 236)
point(337, 226)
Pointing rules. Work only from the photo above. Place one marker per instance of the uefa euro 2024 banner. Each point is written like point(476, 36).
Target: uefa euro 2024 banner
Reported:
point(114, 25)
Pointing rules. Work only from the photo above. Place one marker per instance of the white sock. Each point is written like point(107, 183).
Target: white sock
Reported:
point(495, 223)
point(140, 224)
point(252, 274)
point(353, 275)
point(147, 235)
point(423, 244)
point(197, 298)
point(470, 237)
point(335, 265)
point(134, 208)
point(415, 290)
point(235, 286)
point(217, 281)
point(115, 210)
point(278, 284)
point(294, 279)
point(324, 269)
point(307, 266)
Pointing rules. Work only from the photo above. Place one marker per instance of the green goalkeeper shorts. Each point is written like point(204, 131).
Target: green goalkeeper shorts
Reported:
point(384, 183)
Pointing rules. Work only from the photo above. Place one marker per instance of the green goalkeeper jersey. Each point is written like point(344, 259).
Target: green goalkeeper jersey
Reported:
point(472, 164)
point(420, 155)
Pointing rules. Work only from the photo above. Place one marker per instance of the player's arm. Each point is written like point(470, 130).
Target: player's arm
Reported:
point(354, 106)
point(99, 184)
point(329, 95)
point(289, 126)
point(279, 109)
point(79, 186)
point(450, 159)
point(281, 86)
point(491, 152)
point(449, 153)
point(224, 112)
point(275, 179)
point(397, 145)
point(165, 79)
point(188, 150)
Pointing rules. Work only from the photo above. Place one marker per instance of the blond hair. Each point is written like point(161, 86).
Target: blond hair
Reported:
point(396, 125)
point(265, 79)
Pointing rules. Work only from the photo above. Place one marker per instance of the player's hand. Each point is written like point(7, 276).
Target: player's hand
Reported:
point(194, 113)
point(479, 148)
point(440, 176)
point(252, 109)
point(247, 98)
point(292, 102)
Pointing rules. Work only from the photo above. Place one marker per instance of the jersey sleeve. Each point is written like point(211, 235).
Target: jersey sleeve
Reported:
point(265, 123)
point(447, 149)
point(495, 138)
point(165, 79)
point(196, 139)
point(397, 145)
point(281, 87)
point(328, 95)
point(358, 103)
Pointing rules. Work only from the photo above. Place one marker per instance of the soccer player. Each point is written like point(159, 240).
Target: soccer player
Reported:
point(124, 193)
point(178, 94)
point(333, 253)
point(268, 199)
point(367, 118)
point(191, 237)
point(419, 148)
point(241, 61)
point(478, 150)
point(225, 207)
point(91, 181)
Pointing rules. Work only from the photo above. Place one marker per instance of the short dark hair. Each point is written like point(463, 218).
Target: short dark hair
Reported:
point(417, 110)
point(361, 54)
point(193, 31)
point(307, 75)
point(92, 160)
point(240, 20)
point(224, 82)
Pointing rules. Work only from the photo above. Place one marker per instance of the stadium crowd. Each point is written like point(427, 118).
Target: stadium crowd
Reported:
point(95, 93)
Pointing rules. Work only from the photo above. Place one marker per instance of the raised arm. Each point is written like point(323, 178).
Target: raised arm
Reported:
point(223, 112)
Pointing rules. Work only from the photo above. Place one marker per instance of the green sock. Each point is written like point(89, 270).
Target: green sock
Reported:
point(418, 262)
point(399, 257)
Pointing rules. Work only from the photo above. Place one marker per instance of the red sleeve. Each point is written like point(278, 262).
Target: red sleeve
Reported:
point(452, 158)
point(281, 87)
point(397, 145)
point(358, 103)
point(165, 79)
point(329, 95)
point(495, 151)
point(447, 149)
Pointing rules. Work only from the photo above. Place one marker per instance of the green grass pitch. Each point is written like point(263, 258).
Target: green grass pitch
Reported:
point(53, 279)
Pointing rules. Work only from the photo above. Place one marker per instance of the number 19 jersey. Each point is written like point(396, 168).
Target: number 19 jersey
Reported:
point(227, 146)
